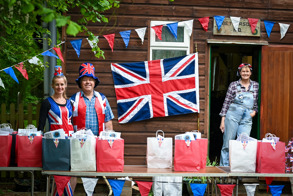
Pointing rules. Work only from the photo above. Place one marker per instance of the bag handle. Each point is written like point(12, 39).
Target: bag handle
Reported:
point(5, 125)
point(160, 131)
point(30, 126)
point(243, 137)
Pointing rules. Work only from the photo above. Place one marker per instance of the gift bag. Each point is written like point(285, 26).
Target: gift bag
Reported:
point(159, 151)
point(83, 154)
point(5, 150)
point(56, 154)
point(242, 154)
point(110, 155)
point(167, 186)
point(29, 151)
point(289, 156)
point(270, 157)
point(190, 155)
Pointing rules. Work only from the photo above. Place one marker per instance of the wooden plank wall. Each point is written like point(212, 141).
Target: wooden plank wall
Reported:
point(134, 14)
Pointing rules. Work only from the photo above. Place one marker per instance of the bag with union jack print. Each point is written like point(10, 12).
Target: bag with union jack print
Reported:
point(56, 154)
point(29, 151)
point(242, 154)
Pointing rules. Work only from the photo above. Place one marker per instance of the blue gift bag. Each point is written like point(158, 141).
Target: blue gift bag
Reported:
point(56, 154)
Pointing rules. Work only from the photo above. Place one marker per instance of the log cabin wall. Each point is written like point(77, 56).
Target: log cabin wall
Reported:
point(134, 14)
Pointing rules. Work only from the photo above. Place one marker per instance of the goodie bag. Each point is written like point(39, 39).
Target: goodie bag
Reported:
point(242, 154)
point(159, 151)
point(56, 154)
point(83, 154)
point(167, 185)
point(270, 156)
point(110, 155)
point(190, 155)
point(5, 150)
point(29, 151)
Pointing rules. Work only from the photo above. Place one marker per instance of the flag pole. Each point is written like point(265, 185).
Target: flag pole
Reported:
point(195, 46)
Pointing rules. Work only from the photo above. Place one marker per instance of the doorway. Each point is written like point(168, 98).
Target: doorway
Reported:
point(225, 60)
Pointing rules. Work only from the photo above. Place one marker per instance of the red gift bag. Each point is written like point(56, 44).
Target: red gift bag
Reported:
point(110, 155)
point(29, 151)
point(5, 150)
point(192, 157)
point(270, 160)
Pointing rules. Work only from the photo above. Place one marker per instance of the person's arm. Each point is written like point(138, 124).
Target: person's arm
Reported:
point(228, 99)
point(108, 125)
point(45, 107)
point(222, 125)
point(255, 97)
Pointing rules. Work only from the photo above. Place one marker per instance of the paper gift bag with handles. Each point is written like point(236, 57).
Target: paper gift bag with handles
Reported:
point(190, 155)
point(83, 154)
point(29, 151)
point(270, 156)
point(242, 154)
point(56, 154)
point(159, 151)
point(110, 155)
point(5, 150)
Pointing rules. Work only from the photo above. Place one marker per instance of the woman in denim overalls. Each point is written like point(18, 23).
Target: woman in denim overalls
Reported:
point(239, 107)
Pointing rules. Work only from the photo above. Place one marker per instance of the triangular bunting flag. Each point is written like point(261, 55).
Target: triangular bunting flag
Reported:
point(10, 72)
point(226, 189)
point(110, 38)
point(117, 186)
point(61, 182)
point(283, 29)
point(35, 60)
point(250, 189)
point(89, 185)
point(48, 53)
point(125, 36)
point(269, 26)
point(93, 43)
point(141, 33)
point(253, 22)
point(188, 26)
point(1, 83)
point(269, 181)
point(22, 70)
point(59, 53)
point(158, 31)
point(198, 189)
point(144, 187)
point(235, 22)
point(276, 190)
point(173, 28)
point(204, 22)
point(219, 21)
point(76, 44)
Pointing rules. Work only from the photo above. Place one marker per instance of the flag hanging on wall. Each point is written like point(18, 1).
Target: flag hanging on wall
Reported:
point(156, 88)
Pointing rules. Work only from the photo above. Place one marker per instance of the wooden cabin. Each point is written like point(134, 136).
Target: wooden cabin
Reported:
point(220, 53)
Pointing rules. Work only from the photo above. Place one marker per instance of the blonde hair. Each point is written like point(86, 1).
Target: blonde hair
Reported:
point(65, 81)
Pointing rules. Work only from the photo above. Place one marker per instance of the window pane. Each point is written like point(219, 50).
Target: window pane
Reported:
point(167, 36)
point(163, 54)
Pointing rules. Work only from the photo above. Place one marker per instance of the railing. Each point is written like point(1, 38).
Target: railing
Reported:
point(20, 116)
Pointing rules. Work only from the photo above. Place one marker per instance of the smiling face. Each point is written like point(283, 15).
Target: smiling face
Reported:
point(59, 84)
point(87, 84)
point(245, 73)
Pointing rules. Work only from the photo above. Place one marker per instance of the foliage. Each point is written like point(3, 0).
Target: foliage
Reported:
point(22, 34)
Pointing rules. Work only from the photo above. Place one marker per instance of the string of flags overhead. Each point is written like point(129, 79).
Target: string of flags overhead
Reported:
point(172, 27)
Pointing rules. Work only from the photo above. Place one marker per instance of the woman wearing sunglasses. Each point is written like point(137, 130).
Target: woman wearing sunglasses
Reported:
point(239, 107)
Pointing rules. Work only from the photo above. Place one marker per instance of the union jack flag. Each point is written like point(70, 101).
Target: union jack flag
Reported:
point(157, 88)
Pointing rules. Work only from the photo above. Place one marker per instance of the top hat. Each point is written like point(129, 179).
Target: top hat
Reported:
point(87, 69)
point(58, 71)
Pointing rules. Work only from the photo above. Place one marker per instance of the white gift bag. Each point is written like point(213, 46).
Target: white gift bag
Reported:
point(83, 154)
point(242, 154)
point(167, 186)
point(159, 151)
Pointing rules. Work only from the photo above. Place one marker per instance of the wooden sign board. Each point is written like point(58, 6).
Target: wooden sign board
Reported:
point(244, 28)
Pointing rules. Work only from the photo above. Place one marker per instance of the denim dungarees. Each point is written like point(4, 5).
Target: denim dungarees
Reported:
point(237, 121)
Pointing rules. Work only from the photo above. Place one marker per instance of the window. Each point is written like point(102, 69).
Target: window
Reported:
point(169, 47)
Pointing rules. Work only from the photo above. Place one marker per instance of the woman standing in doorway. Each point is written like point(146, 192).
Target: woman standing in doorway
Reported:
point(239, 107)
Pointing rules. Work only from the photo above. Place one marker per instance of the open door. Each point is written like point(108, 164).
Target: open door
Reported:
point(276, 108)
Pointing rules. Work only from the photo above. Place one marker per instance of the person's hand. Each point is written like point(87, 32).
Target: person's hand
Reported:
point(253, 114)
point(222, 125)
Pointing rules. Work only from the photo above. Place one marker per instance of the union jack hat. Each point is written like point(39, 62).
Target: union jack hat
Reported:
point(87, 69)
point(58, 71)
